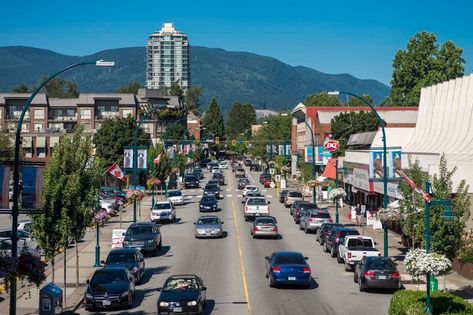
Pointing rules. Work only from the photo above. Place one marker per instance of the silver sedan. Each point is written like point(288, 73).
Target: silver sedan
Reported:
point(265, 226)
point(208, 226)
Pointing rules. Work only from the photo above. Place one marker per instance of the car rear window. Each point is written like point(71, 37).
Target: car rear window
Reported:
point(174, 193)
point(139, 230)
point(256, 202)
point(295, 194)
point(380, 264)
point(289, 259)
point(321, 215)
point(160, 206)
point(191, 178)
point(267, 221)
point(360, 243)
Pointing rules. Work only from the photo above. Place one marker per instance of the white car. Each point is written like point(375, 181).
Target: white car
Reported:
point(6, 244)
point(176, 197)
point(256, 207)
point(215, 169)
point(163, 211)
point(249, 188)
point(223, 165)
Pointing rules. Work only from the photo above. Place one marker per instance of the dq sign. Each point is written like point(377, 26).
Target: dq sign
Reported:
point(331, 145)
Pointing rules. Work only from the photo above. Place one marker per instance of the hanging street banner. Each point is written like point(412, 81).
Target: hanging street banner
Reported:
point(31, 188)
point(142, 159)
point(4, 186)
point(128, 158)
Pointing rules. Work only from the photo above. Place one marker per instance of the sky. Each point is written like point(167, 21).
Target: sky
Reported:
point(355, 37)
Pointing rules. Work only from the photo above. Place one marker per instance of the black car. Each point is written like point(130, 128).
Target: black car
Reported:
point(302, 206)
point(247, 162)
point(212, 190)
point(208, 203)
point(255, 167)
point(130, 258)
point(198, 173)
point(145, 236)
point(377, 272)
point(182, 294)
point(282, 195)
point(332, 241)
point(191, 181)
point(219, 177)
point(110, 287)
point(325, 230)
point(242, 182)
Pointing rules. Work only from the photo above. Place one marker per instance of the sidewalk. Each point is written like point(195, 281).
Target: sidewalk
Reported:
point(28, 297)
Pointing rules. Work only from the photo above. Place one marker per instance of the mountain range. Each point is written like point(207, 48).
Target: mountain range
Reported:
point(230, 76)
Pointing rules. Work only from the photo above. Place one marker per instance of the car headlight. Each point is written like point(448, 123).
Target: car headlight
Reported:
point(200, 231)
point(88, 296)
point(192, 303)
point(124, 295)
point(163, 304)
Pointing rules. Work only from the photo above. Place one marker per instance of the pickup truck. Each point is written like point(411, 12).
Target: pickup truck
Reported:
point(256, 207)
point(354, 248)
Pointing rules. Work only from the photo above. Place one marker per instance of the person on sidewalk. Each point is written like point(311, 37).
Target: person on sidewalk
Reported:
point(358, 214)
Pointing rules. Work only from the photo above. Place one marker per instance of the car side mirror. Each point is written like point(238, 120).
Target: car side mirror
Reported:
point(194, 223)
point(375, 243)
point(102, 261)
point(306, 258)
point(204, 288)
point(87, 281)
point(269, 202)
point(222, 222)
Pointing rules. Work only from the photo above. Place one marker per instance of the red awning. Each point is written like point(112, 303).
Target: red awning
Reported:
point(330, 169)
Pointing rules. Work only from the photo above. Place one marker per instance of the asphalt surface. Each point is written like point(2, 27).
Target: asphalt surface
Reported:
point(233, 267)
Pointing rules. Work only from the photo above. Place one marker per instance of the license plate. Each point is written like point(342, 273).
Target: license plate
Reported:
point(291, 278)
point(382, 277)
point(106, 303)
point(177, 309)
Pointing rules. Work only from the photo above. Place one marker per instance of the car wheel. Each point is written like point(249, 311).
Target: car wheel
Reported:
point(130, 302)
point(306, 230)
point(333, 253)
point(300, 227)
point(348, 267)
point(254, 236)
point(355, 277)
point(325, 248)
point(361, 287)
point(271, 283)
point(339, 259)
point(160, 245)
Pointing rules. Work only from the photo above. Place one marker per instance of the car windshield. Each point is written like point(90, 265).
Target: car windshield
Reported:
point(289, 259)
point(248, 187)
point(295, 194)
point(181, 284)
point(380, 264)
point(240, 170)
point(321, 215)
point(265, 221)
point(108, 276)
point(208, 199)
point(120, 258)
point(162, 205)
point(174, 193)
point(256, 202)
point(207, 221)
point(211, 187)
point(189, 178)
point(139, 230)
point(351, 232)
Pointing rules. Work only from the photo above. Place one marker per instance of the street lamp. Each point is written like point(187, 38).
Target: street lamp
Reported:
point(16, 164)
point(385, 160)
point(447, 216)
point(313, 160)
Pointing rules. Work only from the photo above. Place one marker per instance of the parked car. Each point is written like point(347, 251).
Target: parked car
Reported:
point(219, 177)
point(28, 240)
point(190, 181)
point(282, 195)
point(305, 205)
point(163, 211)
point(377, 272)
point(264, 226)
point(324, 230)
point(182, 294)
point(264, 176)
point(255, 167)
point(288, 268)
point(176, 197)
point(249, 188)
point(110, 287)
point(208, 203)
point(208, 226)
point(242, 182)
point(223, 165)
point(129, 258)
point(291, 197)
point(212, 190)
point(110, 205)
point(6, 248)
point(240, 172)
point(332, 241)
point(145, 236)
point(354, 248)
point(314, 219)
point(256, 207)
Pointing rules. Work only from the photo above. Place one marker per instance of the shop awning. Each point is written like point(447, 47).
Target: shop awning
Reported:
point(330, 169)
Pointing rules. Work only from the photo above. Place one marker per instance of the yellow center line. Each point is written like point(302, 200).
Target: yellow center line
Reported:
point(240, 252)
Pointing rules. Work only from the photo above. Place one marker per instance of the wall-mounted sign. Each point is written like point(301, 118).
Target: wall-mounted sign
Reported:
point(331, 145)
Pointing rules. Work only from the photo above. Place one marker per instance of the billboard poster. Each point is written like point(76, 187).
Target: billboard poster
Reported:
point(4, 186)
point(128, 158)
point(142, 158)
point(376, 164)
point(395, 163)
point(31, 188)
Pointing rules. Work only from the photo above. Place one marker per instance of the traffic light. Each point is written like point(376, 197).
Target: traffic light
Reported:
point(233, 142)
point(217, 140)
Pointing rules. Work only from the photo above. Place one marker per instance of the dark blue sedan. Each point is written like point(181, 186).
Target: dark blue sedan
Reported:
point(208, 203)
point(288, 268)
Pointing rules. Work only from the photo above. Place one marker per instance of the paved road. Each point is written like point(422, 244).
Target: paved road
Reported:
point(233, 267)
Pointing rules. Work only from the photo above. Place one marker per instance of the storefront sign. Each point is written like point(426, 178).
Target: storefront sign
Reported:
point(118, 235)
point(392, 189)
point(331, 145)
point(361, 179)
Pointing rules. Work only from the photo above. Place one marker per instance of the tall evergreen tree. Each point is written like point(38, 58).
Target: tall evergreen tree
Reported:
point(213, 120)
point(132, 87)
point(240, 119)
point(192, 99)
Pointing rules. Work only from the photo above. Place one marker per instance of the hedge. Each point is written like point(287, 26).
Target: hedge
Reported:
point(413, 303)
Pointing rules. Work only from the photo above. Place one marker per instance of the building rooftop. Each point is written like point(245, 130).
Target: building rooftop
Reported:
point(39, 99)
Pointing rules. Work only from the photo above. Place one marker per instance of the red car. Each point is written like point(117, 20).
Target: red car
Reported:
point(266, 182)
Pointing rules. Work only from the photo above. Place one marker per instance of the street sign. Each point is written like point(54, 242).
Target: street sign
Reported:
point(271, 171)
point(331, 145)
point(272, 185)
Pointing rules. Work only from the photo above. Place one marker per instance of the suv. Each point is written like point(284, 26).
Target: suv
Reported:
point(190, 181)
point(313, 220)
point(303, 205)
point(240, 172)
point(145, 236)
point(219, 177)
point(212, 190)
point(325, 230)
point(242, 182)
point(163, 211)
point(332, 241)
point(291, 197)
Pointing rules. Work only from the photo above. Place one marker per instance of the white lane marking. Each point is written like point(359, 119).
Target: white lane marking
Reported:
point(269, 196)
point(251, 177)
point(264, 190)
point(229, 195)
point(228, 190)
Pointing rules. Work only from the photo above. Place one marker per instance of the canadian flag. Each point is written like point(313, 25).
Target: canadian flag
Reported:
point(157, 159)
point(116, 171)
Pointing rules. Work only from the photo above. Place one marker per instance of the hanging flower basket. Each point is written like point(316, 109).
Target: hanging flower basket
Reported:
point(8, 267)
point(153, 181)
point(31, 268)
point(134, 195)
point(418, 263)
point(389, 215)
point(101, 217)
point(337, 193)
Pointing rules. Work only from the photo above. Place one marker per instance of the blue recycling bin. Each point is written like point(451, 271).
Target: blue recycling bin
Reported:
point(50, 299)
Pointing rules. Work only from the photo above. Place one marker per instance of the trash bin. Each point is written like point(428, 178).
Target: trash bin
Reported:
point(434, 284)
point(50, 299)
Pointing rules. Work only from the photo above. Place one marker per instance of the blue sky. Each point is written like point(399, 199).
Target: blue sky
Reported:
point(356, 37)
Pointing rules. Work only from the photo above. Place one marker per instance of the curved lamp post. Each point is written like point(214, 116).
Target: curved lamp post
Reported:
point(16, 164)
point(314, 198)
point(385, 160)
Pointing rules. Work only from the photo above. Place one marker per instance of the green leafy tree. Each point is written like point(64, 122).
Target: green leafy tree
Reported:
point(192, 99)
point(60, 88)
point(174, 132)
point(423, 64)
point(113, 136)
point(7, 149)
point(321, 99)
point(22, 88)
point(176, 90)
point(213, 120)
point(161, 170)
point(353, 101)
point(387, 101)
point(132, 87)
point(346, 124)
point(276, 130)
point(240, 119)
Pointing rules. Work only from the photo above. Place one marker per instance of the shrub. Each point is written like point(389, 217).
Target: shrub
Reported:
point(413, 303)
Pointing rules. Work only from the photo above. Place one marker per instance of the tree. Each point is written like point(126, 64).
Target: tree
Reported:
point(60, 88)
point(113, 136)
point(176, 90)
point(175, 132)
point(346, 124)
point(192, 99)
point(213, 120)
point(132, 87)
point(7, 150)
point(387, 101)
point(321, 99)
point(353, 101)
point(275, 130)
point(161, 170)
point(240, 119)
point(423, 64)
point(22, 88)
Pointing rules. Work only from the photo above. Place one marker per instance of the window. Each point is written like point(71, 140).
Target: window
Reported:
point(126, 112)
point(87, 126)
point(85, 113)
point(39, 113)
point(38, 127)
point(41, 152)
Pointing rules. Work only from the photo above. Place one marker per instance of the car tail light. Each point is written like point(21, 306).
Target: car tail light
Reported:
point(306, 270)
point(349, 255)
point(256, 228)
point(395, 275)
point(369, 274)
point(276, 269)
point(312, 219)
point(275, 229)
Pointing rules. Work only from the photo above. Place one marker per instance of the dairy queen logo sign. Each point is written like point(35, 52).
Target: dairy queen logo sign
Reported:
point(331, 145)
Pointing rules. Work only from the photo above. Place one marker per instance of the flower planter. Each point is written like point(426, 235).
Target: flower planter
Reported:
point(464, 269)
